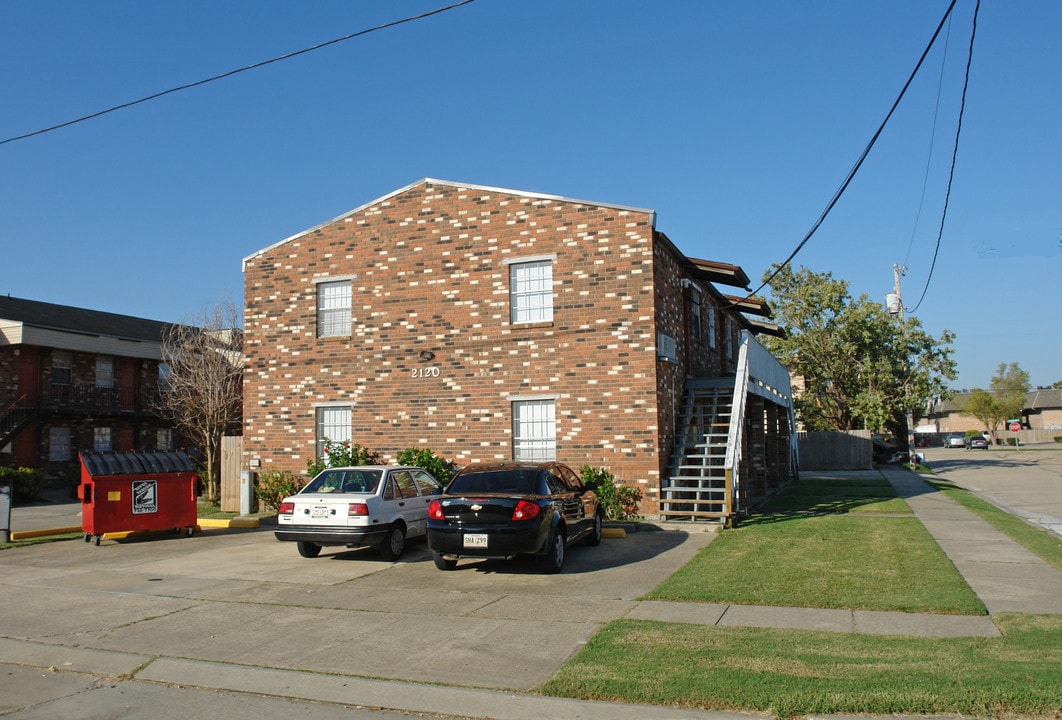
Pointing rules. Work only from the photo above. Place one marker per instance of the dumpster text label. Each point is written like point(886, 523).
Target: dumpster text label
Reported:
point(145, 497)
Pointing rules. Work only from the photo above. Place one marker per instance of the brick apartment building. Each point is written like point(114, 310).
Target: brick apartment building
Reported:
point(73, 379)
point(489, 324)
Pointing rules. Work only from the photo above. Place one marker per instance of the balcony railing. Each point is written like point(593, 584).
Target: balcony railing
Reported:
point(90, 399)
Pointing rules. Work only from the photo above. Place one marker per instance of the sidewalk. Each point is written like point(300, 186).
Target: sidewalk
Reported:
point(104, 638)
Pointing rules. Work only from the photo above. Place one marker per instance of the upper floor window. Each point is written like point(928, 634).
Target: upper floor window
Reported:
point(333, 308)
point(534, 430)
point(695, 314)
point(729, 329)
point(104, 372)
point(62, 368)
point(711, 327)
point(164, 439)
point(531, 291)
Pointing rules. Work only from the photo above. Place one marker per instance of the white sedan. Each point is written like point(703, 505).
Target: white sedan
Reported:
point(378, 505)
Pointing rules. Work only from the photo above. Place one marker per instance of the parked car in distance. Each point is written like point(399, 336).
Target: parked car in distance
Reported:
point(380, 505)
point(955, 440)
point(979, 442)
point(501, 510)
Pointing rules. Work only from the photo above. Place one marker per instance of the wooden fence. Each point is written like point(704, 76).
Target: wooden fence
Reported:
point(835, 450)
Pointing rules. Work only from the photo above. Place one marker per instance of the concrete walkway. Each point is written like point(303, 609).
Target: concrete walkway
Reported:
point(1006, 576)
point(105, 621)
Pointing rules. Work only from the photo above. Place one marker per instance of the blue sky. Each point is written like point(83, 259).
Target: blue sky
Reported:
point(735, 121)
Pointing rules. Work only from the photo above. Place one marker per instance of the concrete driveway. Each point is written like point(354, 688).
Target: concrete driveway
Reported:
point(242, 597)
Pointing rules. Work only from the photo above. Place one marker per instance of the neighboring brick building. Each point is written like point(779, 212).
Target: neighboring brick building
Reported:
point(484, 324)
point(73, 379)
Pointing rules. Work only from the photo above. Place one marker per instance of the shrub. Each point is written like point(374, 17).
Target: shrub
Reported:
point(341, 454)
point(1058, 438)
point(620, 502)
point(25, 483)
point(427, 459)
point(272, 486)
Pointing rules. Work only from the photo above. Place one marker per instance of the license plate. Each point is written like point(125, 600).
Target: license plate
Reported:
point(476, 540)
point(319, 512)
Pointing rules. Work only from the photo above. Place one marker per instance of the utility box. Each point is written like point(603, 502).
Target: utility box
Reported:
point(136, 491)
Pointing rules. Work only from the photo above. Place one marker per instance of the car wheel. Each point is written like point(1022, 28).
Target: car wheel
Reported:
point(395, 542)
point(443, 563)
point(309, 549)
point(594, 538)
point(553, 561)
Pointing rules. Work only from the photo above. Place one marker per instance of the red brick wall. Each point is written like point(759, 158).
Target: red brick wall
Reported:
point(428, 272)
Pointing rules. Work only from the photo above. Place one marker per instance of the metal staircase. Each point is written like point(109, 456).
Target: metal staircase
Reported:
point(697, 479)
point(14, 420)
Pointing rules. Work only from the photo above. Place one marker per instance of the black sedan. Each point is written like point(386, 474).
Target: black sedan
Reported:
point(501, 510)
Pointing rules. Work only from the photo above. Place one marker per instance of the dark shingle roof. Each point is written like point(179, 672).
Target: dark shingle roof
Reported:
point(80, 320)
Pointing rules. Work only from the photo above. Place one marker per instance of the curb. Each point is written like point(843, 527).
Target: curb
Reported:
point(237, 522)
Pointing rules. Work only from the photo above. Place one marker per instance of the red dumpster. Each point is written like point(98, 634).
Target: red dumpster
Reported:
point(125, 492)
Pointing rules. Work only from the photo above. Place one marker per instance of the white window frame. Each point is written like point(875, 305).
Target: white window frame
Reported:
point(104, 371)
point(59, 444)
point(62, 367)
point(163, 439)
point(333, 423)
point(534, 428)
point(334, 305)
point(712, 340)
point(102, 439)
point(531, 289)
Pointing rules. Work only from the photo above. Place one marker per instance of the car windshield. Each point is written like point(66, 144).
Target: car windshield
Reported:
point(513, 482)
point(344, 481)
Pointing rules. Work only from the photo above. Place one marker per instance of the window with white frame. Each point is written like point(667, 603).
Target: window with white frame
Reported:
point(62, 368)
point(104, 372)
point(59, 444)
point(531, 291)
point(729, 327)
point(101, 439)
point(711, 326)
point(333, 425)
point(695, 313)
point(333, 308)
point(164, 439)
point(534, 430)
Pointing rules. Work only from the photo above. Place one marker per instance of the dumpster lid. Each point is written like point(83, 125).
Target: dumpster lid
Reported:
point(136, 463)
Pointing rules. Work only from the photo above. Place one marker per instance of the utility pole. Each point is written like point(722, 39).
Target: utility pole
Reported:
point(897, 271)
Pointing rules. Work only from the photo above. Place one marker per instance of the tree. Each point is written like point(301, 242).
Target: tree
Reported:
point(861, 367)
point(203, 392)
point(1005, 401)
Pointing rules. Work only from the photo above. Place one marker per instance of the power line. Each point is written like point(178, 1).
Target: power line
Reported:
point(230, 73)
point(866, 151)
point(954, 153)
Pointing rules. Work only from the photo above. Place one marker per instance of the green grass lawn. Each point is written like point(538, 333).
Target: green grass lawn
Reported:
point(794, 672)
point(829, 542)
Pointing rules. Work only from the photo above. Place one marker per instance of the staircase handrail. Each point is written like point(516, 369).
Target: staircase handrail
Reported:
point(732, 462)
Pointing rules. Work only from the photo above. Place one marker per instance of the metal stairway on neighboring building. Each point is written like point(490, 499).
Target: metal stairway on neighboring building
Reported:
point(697, 480)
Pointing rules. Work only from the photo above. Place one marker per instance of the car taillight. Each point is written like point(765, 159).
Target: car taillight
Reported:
point(287, 508)
point(435, 511)
point(357, 509)
point(525, 510)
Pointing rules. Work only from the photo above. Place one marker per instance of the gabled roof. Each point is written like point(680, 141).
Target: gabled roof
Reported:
point(448, 183)
point(65, 318)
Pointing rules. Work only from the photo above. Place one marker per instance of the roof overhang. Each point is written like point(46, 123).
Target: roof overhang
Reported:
point(750, 304)
point(722, 273)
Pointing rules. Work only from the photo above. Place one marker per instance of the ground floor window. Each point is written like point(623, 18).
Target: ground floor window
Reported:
point(59, 444)
point(101, 439)
point(333, 425)
point(534, 430)
point(164, 439)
